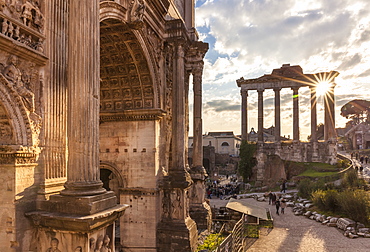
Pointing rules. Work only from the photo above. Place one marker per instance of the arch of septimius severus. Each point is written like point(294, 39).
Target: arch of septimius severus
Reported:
point(292, 77)
point(92, 89)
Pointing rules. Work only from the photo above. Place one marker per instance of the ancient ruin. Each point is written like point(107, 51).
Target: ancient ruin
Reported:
point(94, 126)
point(291, 77)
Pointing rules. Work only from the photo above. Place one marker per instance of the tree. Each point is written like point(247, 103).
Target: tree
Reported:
point(247, 159)
point(357, 110)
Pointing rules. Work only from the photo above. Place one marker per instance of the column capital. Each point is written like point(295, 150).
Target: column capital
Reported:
point(277, 89)
point(244, 92)
point(260, 90)
point(295, 89)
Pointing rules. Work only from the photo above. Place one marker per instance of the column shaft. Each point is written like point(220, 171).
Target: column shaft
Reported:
point(295, 114)
point(329, 127)
point(83, 98)
point(313, 115)
point(277, 115)
point(197, 112)
point(260, 115)
point(244, 109)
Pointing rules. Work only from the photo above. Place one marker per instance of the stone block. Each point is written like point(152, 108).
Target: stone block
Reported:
point(343, 223)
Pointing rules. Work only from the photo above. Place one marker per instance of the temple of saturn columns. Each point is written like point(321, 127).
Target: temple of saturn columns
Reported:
point(292, 77)
point(94, 125)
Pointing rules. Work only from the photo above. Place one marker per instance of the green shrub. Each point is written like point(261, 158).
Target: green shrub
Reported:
point(306, 187)
point(326, 200)
point(356, 205)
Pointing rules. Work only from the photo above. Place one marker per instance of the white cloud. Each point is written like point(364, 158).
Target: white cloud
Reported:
point(250, 38)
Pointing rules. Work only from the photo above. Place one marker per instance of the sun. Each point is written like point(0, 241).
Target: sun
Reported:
point(322, 87)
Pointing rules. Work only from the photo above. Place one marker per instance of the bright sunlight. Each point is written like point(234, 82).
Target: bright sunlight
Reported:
point(322, 87)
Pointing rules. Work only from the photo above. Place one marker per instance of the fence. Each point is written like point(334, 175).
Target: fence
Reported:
point(241, 238)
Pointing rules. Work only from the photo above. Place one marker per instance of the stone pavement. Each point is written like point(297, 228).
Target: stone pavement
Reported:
point(297, 233)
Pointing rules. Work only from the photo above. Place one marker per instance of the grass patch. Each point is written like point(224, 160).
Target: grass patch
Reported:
point(310, 172)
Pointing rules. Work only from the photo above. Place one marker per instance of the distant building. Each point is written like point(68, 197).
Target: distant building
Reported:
point(225, 142)
point(359, 136)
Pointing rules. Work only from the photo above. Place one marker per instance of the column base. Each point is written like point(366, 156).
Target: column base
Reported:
point(177, 236)
point(81, 205)
point(202, 215)
point(75, 232)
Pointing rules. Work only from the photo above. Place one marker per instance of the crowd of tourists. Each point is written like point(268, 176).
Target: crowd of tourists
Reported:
point(220, 191)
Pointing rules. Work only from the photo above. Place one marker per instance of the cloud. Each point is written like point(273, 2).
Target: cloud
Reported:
point(250, 38)
point(222, 105)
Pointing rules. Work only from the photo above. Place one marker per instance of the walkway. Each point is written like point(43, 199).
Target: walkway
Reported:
point(297, 233)
point(366, 171)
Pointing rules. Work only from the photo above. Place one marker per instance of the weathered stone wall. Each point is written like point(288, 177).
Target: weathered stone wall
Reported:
point(132, 146)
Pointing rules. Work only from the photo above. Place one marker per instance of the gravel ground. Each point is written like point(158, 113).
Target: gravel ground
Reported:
point(297, 233)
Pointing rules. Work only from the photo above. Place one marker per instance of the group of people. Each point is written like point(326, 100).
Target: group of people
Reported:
point(279, 202)
point(221, 191)
point(362, 159)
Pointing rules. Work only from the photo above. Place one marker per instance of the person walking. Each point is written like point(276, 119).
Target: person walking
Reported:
point(283, 186)
point(270, 198)
point(273, 199)
point(277, 204)
point(282, 206)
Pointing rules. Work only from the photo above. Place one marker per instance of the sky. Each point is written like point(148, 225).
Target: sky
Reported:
point(250, 38)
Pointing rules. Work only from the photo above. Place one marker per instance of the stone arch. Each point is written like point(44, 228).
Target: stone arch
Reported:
point(15, 113)
point(128, 75)
point(113, 168)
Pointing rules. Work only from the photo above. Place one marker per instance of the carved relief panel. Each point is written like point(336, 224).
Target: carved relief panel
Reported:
point(6, 129)
point(23, 21)
point(21, 85)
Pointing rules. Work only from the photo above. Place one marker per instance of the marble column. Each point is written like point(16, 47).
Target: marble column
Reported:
point(260, 115)
point(329, 106)
point(244, 108)
point(83, 177)
point(197, 113)
point(277, 115)
point(313, 115)
point(295, 114)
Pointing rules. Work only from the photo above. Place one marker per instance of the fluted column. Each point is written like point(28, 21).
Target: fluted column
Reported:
point(277, 115)
point(244, 109)
point(313, 115)
point(260, 115)
point(329, 125)
point(295, 114)
point(83, 99)
point(197, 113)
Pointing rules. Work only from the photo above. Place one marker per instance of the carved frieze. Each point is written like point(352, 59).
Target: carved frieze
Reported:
point(23, 21)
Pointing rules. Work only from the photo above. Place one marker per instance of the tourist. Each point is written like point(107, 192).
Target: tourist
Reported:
point(277, 204)
point(362, 159)
point(270, 197)
point(366, 159)
point(282, 205)
point(273, 198)
point(283, 186)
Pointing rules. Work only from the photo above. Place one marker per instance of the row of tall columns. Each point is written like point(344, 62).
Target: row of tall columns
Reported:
point(329, 114)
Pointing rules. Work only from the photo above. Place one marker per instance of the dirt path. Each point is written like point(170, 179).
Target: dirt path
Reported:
point(297, 233)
